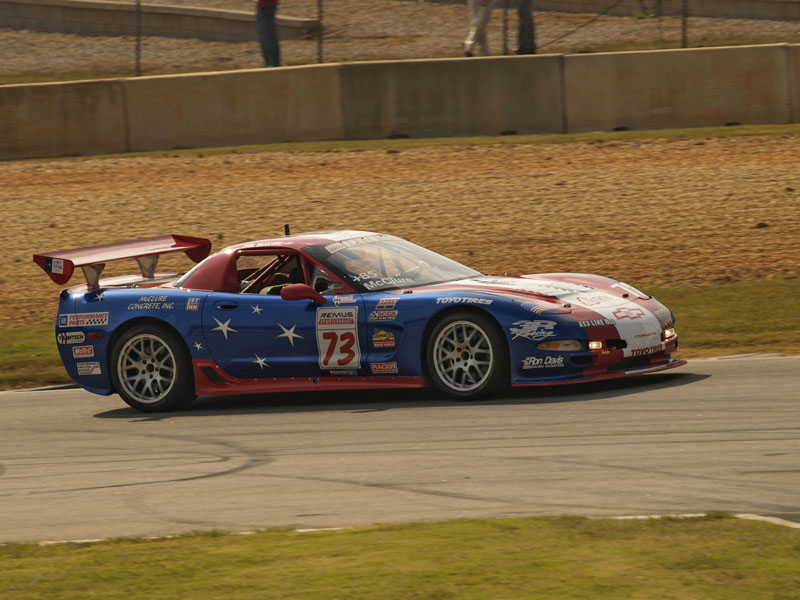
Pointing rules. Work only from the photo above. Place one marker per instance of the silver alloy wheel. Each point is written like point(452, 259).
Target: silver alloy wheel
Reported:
point(462, 356)
point(146, 368)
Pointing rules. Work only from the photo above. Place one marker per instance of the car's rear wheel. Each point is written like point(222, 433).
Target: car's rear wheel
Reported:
point(467, 356)
point(151, 369)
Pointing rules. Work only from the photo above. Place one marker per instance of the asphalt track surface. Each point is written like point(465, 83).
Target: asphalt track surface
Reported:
point(715, 435)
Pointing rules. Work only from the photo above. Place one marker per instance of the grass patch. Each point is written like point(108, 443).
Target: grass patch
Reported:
point(736, 318)
point(67, 75)
point(409, 143)
point(29, 358)
point(729, 318)
point(715, 557)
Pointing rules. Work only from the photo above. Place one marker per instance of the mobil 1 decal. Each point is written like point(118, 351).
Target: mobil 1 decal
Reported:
point(337, 338)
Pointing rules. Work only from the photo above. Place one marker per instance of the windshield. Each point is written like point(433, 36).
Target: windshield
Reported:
point(384, 262)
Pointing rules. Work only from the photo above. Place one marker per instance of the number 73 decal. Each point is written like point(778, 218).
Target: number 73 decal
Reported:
point(337, 338)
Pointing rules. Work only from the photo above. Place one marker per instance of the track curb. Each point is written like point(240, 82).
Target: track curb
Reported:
point(744, 516)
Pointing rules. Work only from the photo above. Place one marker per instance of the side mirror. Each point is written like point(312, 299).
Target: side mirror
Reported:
point(301, 291)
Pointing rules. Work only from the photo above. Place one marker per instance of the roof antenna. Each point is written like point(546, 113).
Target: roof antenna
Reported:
point(286, 229)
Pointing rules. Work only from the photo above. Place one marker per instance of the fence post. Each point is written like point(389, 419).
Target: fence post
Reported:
point(505, 28)
point(684, 23)
point(138, 38)
point(319, 31)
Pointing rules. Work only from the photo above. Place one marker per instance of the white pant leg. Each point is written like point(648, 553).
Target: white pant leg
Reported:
point(480, 12)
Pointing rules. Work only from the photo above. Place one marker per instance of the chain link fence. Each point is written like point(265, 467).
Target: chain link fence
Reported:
point(353, 30)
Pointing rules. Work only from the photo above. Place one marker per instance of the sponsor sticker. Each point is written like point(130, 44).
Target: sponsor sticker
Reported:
point(364, 275)
point(383, 339)
point(386, 303)
point(640, 336)
point(597, 323)
point(646, 351)
point(542, 362)
point(536, 308)
point(337, 338)
point(54, 265)
point(83, 319)
point(382, 282)
point(153, 303)
point(71, 337)
point(337, 300)
point(628, 313)
point(534, 331)
point(353, 242)
point(332, 317)
point(463, 300)
point(383, 368)
point(591, 300)
point(661, 314)
point(83, 351)
point(383, 315)
point(88, 368)
point(193, 304)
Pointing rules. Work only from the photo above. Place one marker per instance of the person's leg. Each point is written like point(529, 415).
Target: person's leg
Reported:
point(484, 13)
point(268, 36)
point(526, 39)
point(469, 43)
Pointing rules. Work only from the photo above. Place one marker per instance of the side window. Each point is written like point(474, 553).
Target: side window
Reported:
point(322, 281)
point(267, 274)
point(250, 267)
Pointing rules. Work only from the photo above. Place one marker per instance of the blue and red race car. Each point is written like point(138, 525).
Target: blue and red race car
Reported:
point(339, 310)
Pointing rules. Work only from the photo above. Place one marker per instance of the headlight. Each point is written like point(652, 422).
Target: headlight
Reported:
point(669, 332)
point(595, 344)
point(561, 345)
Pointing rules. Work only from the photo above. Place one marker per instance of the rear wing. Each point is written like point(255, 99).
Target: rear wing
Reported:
point(61, 264)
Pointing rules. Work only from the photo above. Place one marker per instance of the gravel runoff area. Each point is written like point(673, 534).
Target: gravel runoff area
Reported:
point(685, 212)
point(661, 212)
point(361, 30)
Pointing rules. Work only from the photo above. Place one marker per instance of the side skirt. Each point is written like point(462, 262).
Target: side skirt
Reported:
point(210, 380)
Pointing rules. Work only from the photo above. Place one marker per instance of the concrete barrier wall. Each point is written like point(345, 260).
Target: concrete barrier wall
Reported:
point(446, 97)
point(239, 107)
point(486, 96)
point(793, 82)
point(115, 18)
point(739, 9)
point(677, 88)
point(59, 119)
point(742, 9)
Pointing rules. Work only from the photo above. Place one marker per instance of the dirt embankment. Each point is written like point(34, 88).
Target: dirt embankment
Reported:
point(660, 212)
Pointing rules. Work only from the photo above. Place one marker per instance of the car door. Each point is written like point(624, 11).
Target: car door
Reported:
point(255, 336)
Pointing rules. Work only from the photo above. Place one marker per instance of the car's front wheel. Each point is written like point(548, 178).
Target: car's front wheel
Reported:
point(467, 356)
point(151, 369)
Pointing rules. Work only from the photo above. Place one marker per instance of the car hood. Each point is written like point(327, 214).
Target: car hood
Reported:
point(559, 289)
point(604, 307)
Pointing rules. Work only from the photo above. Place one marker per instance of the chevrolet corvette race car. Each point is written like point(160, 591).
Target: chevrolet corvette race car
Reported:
point(337, 310)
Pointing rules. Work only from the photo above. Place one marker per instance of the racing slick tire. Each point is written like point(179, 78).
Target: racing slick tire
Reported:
point(467, 356)
point(151, 369)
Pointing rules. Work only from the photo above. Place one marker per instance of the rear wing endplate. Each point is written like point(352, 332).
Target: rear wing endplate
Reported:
point(61, 264)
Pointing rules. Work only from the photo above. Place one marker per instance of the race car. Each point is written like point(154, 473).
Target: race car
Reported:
point(336, 310)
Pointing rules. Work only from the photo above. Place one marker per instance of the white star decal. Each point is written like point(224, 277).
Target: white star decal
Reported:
point(256, 310)
point(198, 346)
point(261, 362)
point(100, 296)
point(289, 333)
point(224, 327)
